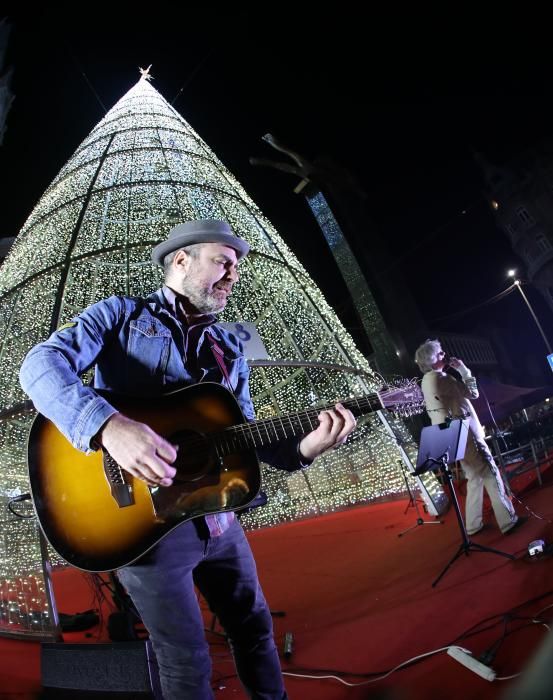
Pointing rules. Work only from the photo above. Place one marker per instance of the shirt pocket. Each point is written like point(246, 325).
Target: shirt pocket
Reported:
point(148, 348)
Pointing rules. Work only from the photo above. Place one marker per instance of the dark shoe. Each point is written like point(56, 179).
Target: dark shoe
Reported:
point(521, 520)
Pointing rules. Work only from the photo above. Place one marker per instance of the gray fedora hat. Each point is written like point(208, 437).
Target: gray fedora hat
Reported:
point(202, 231)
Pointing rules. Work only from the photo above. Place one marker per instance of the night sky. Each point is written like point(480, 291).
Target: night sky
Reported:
point(401, 101)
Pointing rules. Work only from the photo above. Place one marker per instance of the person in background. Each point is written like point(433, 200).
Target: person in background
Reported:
point(151, 346)
point(448, 386)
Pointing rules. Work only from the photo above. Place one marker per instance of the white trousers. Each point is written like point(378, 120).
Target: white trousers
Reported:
point(482, 473)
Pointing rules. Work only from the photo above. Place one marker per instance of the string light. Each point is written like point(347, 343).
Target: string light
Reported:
point(141, 170)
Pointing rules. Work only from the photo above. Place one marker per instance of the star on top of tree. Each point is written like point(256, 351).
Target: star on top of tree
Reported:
point(145, 73)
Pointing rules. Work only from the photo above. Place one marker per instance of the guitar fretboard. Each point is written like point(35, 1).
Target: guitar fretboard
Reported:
point(268, 431)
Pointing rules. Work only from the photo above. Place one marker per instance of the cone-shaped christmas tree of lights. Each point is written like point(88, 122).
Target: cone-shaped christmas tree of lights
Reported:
point(139, 172)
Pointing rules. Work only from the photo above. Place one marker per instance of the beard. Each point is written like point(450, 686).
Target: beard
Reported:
point(204, 300)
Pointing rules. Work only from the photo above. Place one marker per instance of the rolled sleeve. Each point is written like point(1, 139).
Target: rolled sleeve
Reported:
point(91, 420)
point(285, 455)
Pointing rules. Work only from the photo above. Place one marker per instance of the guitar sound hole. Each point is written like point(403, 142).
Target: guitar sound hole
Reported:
point(195, 457)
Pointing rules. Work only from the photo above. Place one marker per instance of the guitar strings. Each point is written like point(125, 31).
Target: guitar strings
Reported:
point(265, 431)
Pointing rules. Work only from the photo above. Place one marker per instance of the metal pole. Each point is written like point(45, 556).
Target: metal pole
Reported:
point(519, 286)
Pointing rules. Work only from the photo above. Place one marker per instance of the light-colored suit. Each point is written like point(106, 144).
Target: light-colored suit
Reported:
point(446, 396)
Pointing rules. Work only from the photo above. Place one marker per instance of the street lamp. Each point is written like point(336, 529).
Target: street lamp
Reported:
point(518, 285)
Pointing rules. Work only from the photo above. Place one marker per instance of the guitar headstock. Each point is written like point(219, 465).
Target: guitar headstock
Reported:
point(404, 398)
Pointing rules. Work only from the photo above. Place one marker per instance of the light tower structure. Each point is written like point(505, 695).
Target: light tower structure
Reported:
point(140, 171)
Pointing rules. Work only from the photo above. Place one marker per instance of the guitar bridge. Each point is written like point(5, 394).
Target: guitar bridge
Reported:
point(121, 491)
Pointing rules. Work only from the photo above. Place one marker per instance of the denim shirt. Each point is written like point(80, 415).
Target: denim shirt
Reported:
point(138, 348)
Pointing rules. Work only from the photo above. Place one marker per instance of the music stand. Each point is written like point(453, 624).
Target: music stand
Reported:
point(440, 446)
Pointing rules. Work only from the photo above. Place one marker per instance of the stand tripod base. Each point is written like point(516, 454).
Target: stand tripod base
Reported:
point(414, 501)
point(420, 521)
point(465, 547)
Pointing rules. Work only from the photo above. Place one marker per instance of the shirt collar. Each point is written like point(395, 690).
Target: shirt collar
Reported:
point(173, 299)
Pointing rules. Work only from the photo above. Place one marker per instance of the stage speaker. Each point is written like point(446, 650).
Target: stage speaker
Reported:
point(122, 667)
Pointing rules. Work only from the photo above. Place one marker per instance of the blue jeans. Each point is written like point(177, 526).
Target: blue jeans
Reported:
point(161, 585)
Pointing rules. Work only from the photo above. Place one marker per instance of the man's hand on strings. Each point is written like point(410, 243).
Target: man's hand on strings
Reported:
point(139, 450)
point(335, 425)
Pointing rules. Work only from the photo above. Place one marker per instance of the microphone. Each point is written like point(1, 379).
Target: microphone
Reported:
point(288, 645)
point(448, 369)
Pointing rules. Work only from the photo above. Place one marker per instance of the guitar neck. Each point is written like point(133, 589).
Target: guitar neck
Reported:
point(262, 433)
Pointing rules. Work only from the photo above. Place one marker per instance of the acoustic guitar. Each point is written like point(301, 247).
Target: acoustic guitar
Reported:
point(98, 517)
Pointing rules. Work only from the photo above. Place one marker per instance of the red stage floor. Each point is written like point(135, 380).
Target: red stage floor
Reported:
point(358, 602)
